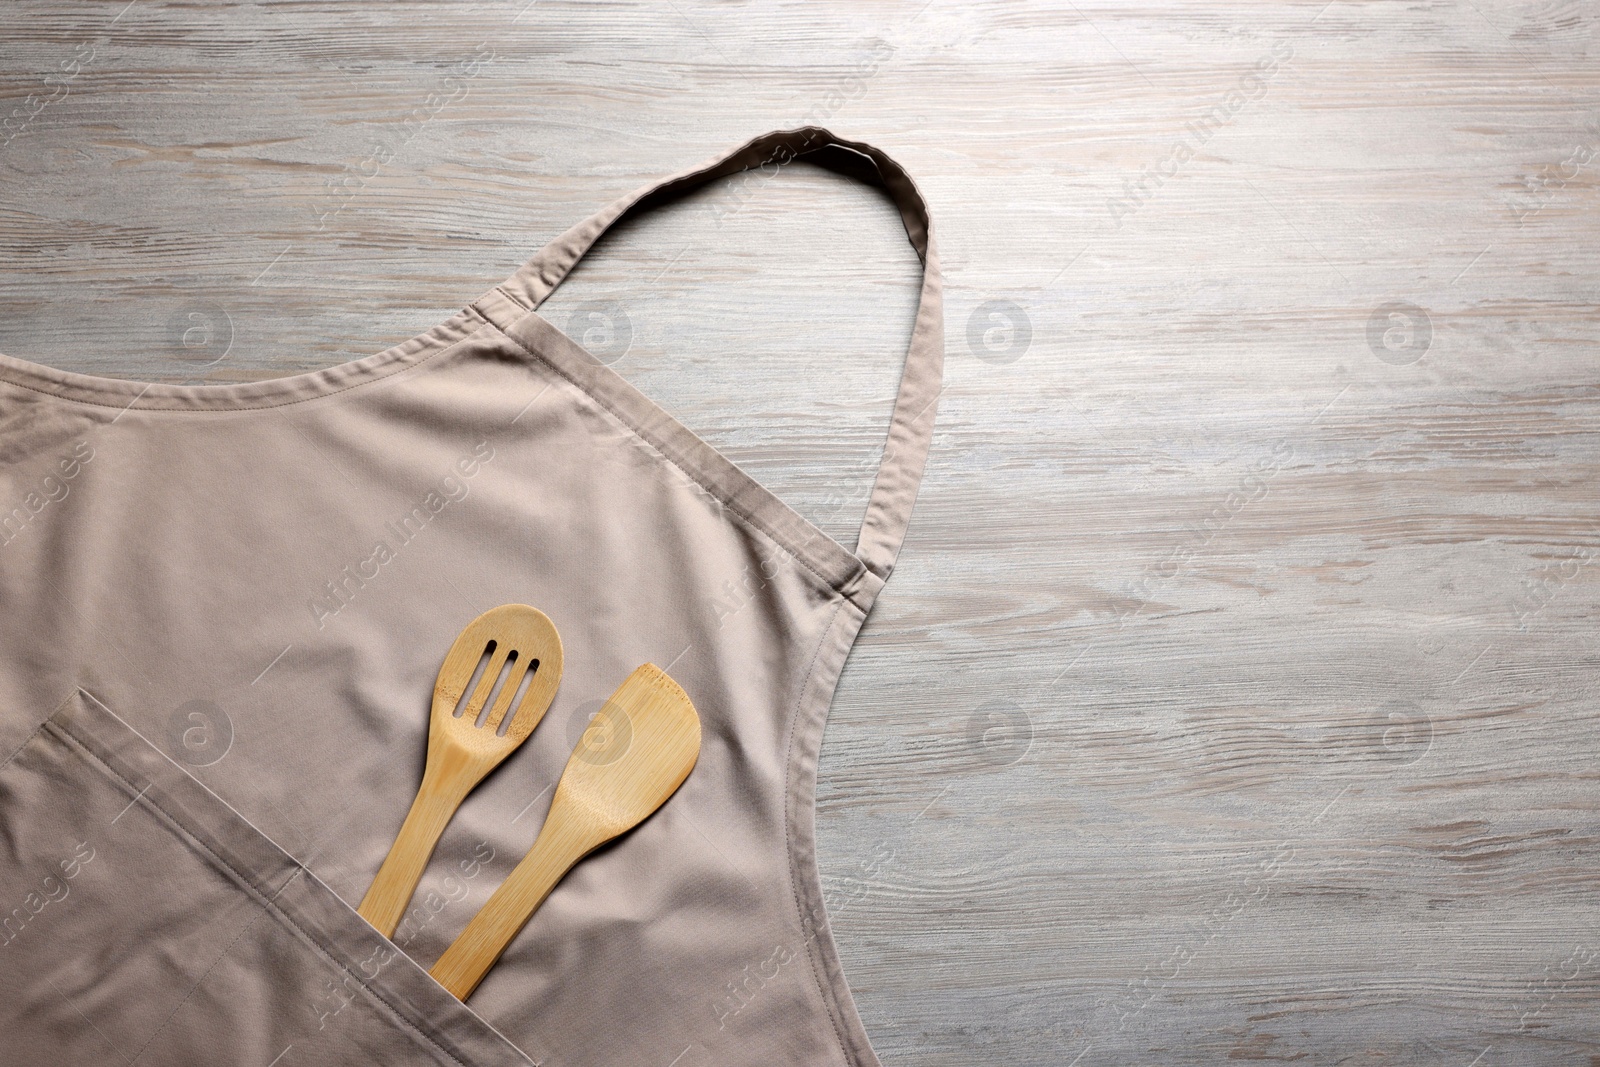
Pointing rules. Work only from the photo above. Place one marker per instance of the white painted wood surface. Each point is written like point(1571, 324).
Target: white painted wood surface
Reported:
point(1235, 696)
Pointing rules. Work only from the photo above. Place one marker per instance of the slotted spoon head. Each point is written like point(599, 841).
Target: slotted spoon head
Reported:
point(514, 639)
point(639, 747)
point(514, 634)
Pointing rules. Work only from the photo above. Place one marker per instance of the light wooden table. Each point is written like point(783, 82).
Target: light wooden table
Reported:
point(1235, 697)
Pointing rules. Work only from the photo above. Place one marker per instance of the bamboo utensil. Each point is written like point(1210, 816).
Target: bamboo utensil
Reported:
point(605, 790)
point(460, 752)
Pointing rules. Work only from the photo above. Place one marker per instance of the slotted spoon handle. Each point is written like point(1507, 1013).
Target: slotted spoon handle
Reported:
point(518, 640)
point(408, 857)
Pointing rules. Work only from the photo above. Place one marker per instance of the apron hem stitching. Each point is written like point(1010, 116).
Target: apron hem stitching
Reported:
point(265, 903)
point(26, 741)
point(400, 369)
point(749, 519)
point(823, 987)
point(196, 987)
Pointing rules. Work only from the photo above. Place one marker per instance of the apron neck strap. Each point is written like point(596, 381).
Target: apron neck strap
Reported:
point(911, 426)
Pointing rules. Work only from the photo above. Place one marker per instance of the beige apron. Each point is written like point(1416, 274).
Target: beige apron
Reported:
point(223, 607)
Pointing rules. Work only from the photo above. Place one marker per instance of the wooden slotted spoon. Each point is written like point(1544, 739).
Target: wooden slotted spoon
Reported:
point(461, 753)
point(606, 789)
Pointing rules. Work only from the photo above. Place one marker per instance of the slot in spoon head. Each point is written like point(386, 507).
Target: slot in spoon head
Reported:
point(509, 641)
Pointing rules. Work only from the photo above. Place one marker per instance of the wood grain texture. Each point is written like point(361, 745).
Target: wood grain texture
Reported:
point(1234, 696)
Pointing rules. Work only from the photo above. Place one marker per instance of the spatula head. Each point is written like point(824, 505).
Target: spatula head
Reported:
point(639, 748)
point(515, 638)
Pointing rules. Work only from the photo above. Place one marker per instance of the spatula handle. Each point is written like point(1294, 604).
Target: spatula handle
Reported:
point(508, 910)
point(397, 879)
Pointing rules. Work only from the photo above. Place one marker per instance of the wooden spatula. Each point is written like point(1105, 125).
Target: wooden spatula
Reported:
point(606, 789)
point(460, 752)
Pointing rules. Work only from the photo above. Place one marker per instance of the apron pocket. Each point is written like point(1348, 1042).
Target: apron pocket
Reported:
point(144, 921)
